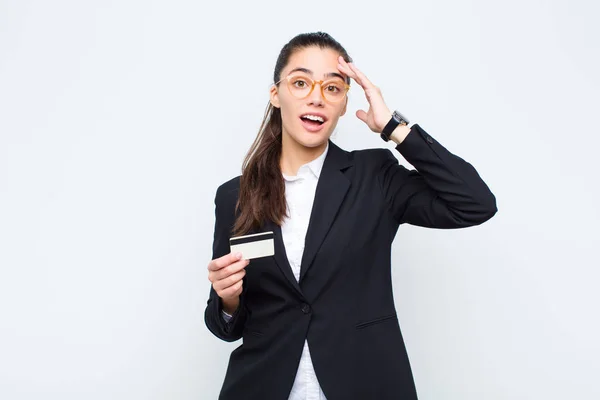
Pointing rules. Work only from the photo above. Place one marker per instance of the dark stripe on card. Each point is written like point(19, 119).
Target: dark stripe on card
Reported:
point(257, 238)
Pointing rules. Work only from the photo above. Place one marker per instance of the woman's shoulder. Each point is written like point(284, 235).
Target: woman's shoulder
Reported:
point(228, 189)
point(370, 154)
point(370, 157)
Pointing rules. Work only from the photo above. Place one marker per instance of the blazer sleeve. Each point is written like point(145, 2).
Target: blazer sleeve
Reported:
point(444, 191)
point(230, 330)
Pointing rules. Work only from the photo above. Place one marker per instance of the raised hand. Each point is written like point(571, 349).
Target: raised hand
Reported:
point(378, 114)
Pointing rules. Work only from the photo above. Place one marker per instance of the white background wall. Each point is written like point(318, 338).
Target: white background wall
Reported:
point(118, 120)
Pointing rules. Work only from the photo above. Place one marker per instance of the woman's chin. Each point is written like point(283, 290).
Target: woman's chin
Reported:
point(309, 139)
point(313, 141)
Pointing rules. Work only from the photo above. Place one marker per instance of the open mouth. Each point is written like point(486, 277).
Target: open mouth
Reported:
point(312, 122)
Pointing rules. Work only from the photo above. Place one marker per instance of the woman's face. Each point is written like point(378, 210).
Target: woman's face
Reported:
point(321, 65)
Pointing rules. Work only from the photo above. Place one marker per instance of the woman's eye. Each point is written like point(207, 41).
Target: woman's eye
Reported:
point(333, 88)
point(300, 84)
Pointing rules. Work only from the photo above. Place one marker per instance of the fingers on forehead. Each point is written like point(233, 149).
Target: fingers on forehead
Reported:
point(361, 75)
point(364, 80)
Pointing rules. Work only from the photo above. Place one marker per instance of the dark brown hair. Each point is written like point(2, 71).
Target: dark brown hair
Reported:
point(262, 188)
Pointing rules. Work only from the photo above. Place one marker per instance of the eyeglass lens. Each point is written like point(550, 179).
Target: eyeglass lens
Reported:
point(333, 89)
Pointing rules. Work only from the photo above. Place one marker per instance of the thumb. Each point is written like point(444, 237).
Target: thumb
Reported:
point(362, 115)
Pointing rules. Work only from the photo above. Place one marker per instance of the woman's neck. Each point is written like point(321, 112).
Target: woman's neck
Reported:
point(294, 155)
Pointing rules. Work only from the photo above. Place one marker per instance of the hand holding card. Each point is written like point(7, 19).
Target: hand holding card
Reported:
point(226, 274)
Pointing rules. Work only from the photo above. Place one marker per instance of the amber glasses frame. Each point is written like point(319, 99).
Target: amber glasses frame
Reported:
point(314, 82)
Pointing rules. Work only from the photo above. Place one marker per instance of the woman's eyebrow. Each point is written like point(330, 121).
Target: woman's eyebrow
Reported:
point(308, 71)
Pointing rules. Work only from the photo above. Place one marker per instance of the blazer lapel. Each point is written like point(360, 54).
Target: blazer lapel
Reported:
point(281, 256)
point(331, 190)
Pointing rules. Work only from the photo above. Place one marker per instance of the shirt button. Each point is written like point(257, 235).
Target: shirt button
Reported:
point(305, 308)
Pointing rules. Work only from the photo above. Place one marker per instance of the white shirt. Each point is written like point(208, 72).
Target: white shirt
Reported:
point(300, 195)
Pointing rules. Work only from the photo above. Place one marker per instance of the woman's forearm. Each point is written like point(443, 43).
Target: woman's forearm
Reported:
point(230, 305)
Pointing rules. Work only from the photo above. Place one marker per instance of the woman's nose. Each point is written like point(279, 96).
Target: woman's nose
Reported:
point(316, 97)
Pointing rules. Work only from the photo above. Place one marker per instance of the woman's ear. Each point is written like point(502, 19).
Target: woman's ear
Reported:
point(274, 97)
point(345, 106)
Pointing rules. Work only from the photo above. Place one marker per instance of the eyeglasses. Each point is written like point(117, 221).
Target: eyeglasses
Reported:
point(301, 86)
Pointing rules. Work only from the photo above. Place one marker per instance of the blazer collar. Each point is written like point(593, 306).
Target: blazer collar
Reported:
point(330, 193)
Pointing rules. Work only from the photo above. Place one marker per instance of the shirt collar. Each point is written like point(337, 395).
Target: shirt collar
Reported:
point(315, 166)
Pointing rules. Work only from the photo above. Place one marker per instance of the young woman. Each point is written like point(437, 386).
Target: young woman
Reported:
point(317, 319)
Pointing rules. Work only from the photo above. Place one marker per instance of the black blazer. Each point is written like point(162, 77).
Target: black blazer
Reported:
point(343, 303)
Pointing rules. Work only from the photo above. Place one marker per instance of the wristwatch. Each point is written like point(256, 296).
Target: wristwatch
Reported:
point(397, 119)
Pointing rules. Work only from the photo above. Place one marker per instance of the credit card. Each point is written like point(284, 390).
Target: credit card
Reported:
point(255, 245)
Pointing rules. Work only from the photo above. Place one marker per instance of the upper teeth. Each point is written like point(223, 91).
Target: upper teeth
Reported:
point(314, 117)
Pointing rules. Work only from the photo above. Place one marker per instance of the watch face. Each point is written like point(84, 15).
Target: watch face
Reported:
point(400, 118)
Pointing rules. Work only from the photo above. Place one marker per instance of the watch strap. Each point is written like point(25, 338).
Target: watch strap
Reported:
point(396, 120)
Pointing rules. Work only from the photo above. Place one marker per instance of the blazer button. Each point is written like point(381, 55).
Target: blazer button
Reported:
point(429, 139)
point(305, 308)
